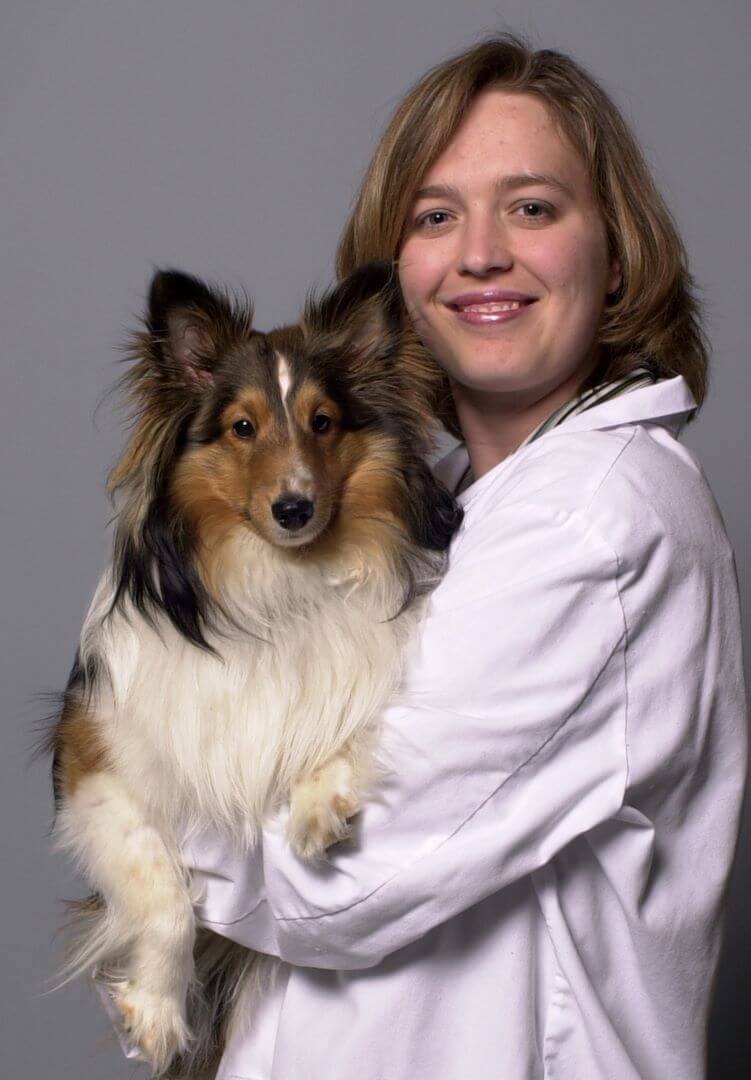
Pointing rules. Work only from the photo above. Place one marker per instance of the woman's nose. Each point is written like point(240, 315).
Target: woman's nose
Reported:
point(485, 248)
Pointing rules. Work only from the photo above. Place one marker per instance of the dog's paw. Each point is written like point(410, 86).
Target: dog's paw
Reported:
point(320, 806)
point(154, 1022)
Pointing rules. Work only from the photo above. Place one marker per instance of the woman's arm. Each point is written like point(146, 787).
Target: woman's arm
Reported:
point(511, 741)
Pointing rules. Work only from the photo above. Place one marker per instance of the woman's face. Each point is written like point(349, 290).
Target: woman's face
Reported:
point(504, 263)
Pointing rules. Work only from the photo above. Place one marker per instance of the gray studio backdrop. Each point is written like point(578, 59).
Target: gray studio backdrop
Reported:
point(228, 139)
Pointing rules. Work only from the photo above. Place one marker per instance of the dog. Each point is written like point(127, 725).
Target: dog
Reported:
point(277, 529)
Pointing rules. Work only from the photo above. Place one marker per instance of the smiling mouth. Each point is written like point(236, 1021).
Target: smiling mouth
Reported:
point(489, 312)
point(491, 308)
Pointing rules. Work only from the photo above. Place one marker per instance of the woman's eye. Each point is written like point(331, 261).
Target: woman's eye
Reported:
point(320, 423)
point(433, 219)
point(535, 211)
point(243, 429)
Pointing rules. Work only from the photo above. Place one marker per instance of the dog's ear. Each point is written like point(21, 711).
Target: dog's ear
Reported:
point(364, 335)
point(361, 332)
point(361, 327)
point(356, 335)
point(368, 299)
point(188, 326)
point(186, 329)
point(359, 321)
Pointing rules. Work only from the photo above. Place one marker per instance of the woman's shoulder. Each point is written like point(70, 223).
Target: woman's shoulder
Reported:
point(656, 493)
point(646, 491)
point(633, 488)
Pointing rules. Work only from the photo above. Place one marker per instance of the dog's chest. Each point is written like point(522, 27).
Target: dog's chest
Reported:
point(223, 737)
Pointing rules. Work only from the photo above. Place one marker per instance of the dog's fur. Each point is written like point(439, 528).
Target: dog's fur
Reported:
point(231, 658)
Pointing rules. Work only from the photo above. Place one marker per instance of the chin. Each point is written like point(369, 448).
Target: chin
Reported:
point(277, 529)
point(492, 381)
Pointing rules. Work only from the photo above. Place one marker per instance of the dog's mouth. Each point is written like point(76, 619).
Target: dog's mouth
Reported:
point(296, 538)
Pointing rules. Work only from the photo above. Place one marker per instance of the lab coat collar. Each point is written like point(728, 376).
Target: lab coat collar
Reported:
point(668, 402)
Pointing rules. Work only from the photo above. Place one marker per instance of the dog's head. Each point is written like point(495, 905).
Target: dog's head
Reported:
point(310, 436)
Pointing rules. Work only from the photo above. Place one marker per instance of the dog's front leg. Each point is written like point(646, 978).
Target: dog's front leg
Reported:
point(321, 805)
point(147, 929)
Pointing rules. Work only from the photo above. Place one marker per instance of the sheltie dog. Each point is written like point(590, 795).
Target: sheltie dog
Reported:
point(277, 526)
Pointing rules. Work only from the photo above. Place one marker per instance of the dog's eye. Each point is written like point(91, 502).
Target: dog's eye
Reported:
point(243, 429)
point(320, 423)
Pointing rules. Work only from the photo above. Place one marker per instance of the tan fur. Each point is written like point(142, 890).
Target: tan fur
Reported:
point(310, 398)
point(355, 484)
point(79, 745)
point(371, 504)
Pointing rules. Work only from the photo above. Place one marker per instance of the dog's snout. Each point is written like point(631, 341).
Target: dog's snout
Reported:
point(292, 511)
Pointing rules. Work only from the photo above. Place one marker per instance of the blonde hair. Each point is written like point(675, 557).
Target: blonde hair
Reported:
point(653, 319)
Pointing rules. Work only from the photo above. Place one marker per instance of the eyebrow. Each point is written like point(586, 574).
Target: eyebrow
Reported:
point(505, 183)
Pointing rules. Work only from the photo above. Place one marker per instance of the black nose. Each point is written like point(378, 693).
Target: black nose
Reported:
point(292, 512)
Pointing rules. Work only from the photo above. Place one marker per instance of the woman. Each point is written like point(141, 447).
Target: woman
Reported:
point(537, 890)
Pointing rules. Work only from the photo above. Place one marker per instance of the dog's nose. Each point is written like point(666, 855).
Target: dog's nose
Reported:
point(292, 511)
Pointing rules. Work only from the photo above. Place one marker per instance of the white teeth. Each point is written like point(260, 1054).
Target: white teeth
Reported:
point(490, 309)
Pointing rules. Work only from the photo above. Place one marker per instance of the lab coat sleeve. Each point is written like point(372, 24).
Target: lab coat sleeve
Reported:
point(509, 741)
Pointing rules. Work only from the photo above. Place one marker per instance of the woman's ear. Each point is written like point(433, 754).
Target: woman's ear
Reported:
point(615, 277)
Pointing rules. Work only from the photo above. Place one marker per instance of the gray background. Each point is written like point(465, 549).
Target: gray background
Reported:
point(228, 139)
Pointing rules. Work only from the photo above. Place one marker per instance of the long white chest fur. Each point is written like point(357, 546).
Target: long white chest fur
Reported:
point(302, 665)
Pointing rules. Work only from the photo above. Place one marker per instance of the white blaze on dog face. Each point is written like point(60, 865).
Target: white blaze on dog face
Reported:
point(256, 459)
point(300, 479)
point(284, 378)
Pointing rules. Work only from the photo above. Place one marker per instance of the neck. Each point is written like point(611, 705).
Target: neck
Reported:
point(494, 424)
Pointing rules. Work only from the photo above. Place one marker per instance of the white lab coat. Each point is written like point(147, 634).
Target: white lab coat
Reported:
point(537, 890)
